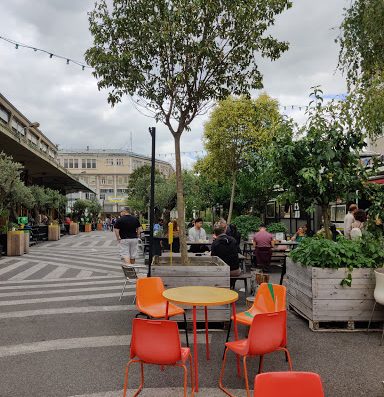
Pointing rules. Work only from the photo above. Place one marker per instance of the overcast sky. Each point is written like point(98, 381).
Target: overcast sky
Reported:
point(73, 113)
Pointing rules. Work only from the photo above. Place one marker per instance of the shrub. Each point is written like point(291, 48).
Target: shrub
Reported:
point(246, 224)
point(277, 227)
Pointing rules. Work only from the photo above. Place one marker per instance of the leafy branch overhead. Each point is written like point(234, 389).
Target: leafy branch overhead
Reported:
point(180, 55)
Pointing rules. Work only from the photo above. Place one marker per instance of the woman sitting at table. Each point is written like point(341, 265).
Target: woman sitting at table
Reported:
point(225, 247)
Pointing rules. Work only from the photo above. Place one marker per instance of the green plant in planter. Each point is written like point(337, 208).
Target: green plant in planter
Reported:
point(247, 224)
point(367, 252)
point(277, 227)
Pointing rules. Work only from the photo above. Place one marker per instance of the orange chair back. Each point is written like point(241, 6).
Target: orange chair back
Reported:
point(155, 341)
point(267, 333)
point(270, 298)
point(288, 384)
point(149, 291)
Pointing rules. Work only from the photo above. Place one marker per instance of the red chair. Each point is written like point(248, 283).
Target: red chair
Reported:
point(151, 303)
point(157, 342)
point(266, 335)
point(288, 384)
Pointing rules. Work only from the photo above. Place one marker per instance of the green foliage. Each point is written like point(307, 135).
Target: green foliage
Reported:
point(362, 58)
point(246, 224)
point(237, 129)
point(94, 209)
point(80, 206)
point(375, 194)
point(277, 227)
point(367, 252)
point(178, 55)
point(323, 164)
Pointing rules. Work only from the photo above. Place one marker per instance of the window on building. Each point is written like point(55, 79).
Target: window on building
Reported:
point(103, 180)
point(108, 161)
point(122, 180)
point(89, 196)
point(83, 163)
point(93, 163)
point(106, 191)
point(119, 161)
point(4, 115)
point(122, 191)
point(88, 163)
point(65, 163)
point(102, 196)
point(70, 163)
point(109, 180)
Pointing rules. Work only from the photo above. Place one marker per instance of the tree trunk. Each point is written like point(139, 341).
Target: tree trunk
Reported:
point(327, 221)
point(180, 202)
point(232, 198)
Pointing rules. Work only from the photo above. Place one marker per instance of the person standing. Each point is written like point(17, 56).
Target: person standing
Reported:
point(263, 243)
point(358, 224)
point(127, 232)
point(348, 220)
point(225, 247)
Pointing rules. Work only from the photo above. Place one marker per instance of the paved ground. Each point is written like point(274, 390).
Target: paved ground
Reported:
point(64, 333)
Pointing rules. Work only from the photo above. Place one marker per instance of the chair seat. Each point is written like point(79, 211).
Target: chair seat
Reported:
point(246, 317)
point(239, 346)
point(158, 310)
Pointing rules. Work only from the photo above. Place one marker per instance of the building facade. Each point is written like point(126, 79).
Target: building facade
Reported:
point(106, 172)
point(38, 155)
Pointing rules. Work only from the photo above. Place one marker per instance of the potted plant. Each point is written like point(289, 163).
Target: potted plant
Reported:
point(330, 281)
point(277, 227)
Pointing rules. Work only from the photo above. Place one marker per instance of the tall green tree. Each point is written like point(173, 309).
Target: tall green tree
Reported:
point(238, 128)
point(179, 55)
point(324, 163)
point(362, 59)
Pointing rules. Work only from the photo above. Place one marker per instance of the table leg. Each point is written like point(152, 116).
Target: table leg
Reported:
point(166, 310)
point(195, 349)
point(206, 332)
point(236, 336)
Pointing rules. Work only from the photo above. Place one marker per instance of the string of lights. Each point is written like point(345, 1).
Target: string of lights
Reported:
point(50, 53)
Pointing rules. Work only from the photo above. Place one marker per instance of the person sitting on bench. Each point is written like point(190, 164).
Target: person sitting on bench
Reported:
point(225, 247)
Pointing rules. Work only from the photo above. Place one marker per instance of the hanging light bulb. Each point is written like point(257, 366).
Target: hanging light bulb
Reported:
point(83, 67)
point(50, 55)
point(67, 61)
point(16, 46)
point(35, 49)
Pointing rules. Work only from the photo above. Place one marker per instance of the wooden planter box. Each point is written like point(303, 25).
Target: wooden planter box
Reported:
point(88, 227)
point(208, 271)
point(15, 243)
point(73, 228)
point(53, 232)
point(100, 226)
point(27, 237)
point(316, 294)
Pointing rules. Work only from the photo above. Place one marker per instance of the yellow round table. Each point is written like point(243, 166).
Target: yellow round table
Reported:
point(202, 296)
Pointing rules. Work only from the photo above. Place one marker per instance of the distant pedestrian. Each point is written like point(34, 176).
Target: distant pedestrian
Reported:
point(127, 231)
point(113, 222)
point(348, 220)
point(357, 226)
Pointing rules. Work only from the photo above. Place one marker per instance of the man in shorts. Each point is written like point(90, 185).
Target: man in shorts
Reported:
point(127, 231)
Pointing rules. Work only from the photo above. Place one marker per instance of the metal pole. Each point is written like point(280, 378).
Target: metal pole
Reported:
point(152, 131)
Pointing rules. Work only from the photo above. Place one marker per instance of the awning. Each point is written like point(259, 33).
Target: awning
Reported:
point(380, 181)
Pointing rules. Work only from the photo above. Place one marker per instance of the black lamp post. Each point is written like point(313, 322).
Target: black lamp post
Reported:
point(152, 131)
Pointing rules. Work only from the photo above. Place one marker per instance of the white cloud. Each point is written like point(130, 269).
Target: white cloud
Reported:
point(73, 113)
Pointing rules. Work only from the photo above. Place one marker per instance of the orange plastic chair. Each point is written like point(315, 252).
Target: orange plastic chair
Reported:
point(150, 301)
point(269, 298)
point(266, 335)
point(288, 384)
point(157, 342)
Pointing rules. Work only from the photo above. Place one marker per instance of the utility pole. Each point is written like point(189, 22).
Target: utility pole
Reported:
point(152, 131)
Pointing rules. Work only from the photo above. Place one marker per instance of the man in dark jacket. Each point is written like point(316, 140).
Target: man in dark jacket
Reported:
point(225, 247)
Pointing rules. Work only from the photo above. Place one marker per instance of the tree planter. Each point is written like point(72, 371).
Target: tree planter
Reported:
point(207, 271)
point(316, 294)
point(88, 227)
point(100, 226)
point(15, 243)
point(73, 228)
point(53, 232)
